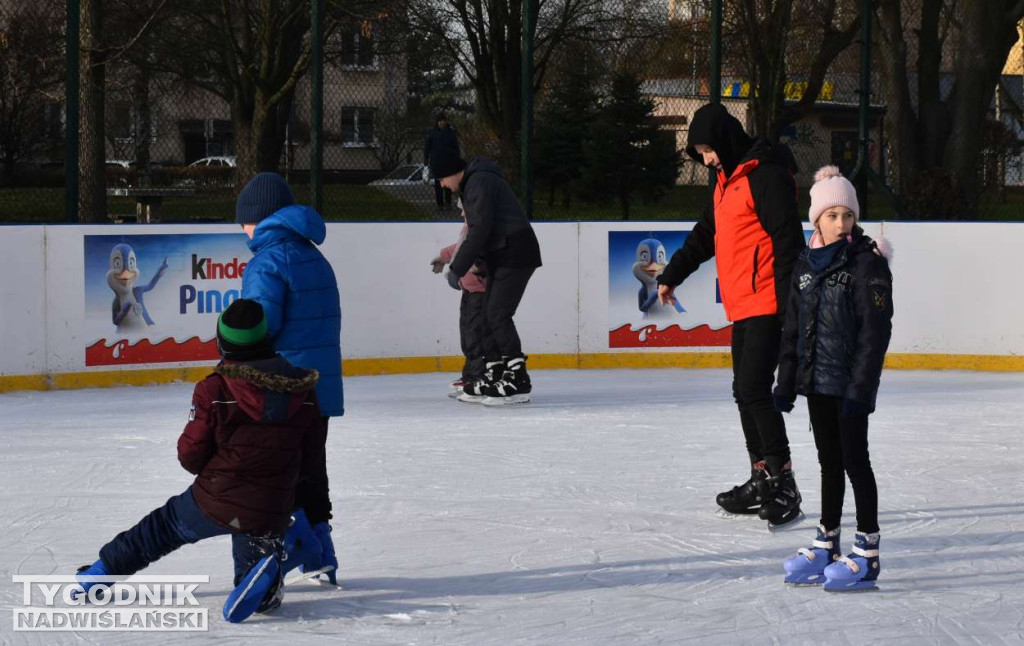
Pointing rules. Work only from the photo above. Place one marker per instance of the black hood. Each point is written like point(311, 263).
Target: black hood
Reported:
point(713, 126)
point(479, 164)
point(767, 152)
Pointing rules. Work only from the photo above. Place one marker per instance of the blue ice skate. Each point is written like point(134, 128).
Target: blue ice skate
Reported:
point(96, 569)
point(808, 566)
point(301, 545)
point(859, 570)
point(328, 558)
point(259, 590)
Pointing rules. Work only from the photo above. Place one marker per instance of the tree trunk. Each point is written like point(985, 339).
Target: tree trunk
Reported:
point(143, 123)
point(766, 37)
point(933, 113)
point(92, 202)
point(509, 72)
point(245, 160)
point(271, 135)
point(9, 160)
point(900, 117)
point(259, 136)
point(985, 41)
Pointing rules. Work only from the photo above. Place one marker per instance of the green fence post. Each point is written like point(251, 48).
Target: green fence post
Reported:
point(715, 86)
point(316, 125)
point(860, 173)
point(526, 133)
point(72, 32)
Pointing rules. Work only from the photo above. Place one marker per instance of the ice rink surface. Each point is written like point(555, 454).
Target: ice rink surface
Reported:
point(585, 517)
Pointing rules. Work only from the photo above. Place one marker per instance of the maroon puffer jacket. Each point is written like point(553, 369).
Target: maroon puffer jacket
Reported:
point(251, 435)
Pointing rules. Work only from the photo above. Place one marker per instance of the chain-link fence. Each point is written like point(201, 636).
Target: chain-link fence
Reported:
point(178, 104)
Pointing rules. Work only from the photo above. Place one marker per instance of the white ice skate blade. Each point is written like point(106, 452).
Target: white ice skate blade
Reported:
point(454, 393)
point(505, 401)
point(721, 513)
point(873, 588)
point(471, 399)
point(305, 576)
point(786, 526)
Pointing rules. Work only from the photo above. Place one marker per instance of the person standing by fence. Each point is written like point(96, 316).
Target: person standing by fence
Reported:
point(442, 143)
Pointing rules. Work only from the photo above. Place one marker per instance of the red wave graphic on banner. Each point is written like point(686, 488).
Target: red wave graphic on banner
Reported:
point(671, 337)
point(166, 351)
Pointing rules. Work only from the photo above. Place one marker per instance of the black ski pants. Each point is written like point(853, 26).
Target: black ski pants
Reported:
point(842, 445)
point(474, 334)
point(505, 289)
point(755, 355)
point(312, 493)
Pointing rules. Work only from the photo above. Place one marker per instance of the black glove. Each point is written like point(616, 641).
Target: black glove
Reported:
point(852, 408)
point(453, 280)
point(784, 404)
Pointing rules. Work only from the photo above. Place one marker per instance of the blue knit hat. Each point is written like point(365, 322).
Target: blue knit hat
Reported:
point(262, 196)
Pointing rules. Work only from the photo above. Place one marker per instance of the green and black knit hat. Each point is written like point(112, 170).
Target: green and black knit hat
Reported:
point(242, 332)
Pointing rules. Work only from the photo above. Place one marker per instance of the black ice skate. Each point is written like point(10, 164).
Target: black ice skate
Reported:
point(782, 508)
point(475, 391)
point(749, 497)
point(513, 387)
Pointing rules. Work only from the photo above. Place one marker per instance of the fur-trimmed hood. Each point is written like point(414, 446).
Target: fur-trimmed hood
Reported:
point(298, 382)
point(270, 390)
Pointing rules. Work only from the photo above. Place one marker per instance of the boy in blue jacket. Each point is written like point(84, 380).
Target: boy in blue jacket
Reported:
point(296, 286)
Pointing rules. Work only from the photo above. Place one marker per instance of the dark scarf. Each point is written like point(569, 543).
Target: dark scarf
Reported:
point(821, 258)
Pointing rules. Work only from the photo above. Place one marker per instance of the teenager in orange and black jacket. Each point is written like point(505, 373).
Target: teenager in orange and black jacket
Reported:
point(755, 235)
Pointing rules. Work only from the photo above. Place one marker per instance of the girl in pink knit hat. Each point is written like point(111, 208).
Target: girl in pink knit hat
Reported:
point(834, 340)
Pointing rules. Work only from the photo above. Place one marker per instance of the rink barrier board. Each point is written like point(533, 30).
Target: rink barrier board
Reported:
point(414, 365)
point(951, 319)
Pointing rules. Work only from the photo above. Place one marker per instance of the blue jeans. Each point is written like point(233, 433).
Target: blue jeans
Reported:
point(179, 522)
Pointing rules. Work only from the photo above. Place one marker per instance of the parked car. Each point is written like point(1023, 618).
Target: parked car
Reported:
point(120, 173)
point(210, 172)
point(214, 162)
point(407, 175)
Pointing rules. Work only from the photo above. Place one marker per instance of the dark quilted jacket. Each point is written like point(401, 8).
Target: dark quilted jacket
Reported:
point(838, 325)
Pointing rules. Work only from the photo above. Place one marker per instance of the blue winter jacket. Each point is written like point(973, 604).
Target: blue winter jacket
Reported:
point(296, 286)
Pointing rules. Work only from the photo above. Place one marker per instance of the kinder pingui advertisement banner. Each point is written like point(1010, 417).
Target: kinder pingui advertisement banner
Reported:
point(155, 298)
point(637, 319)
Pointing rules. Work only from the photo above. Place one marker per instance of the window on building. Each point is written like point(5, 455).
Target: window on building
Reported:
point(357, 126)
point(356, 48)
point(123, 123)
point(53, 120)
point(120, 125)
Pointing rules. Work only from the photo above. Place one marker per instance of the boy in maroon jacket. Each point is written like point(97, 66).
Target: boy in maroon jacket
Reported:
point(250, 437)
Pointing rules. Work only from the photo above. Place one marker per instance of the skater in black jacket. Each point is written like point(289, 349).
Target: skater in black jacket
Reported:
point(836, 333)
point(500, 234)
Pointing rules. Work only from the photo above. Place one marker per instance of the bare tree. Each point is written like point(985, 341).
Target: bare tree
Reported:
point(251, 53)
point(133, 31)
point(935, 134)
point(777, 39)
point(30, 64)
point(92, 201)
point(485, 39)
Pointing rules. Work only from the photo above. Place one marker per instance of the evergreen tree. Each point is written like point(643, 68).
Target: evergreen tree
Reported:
point(562, 132)
point(627, 153)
